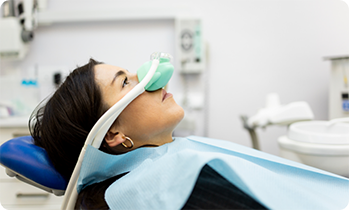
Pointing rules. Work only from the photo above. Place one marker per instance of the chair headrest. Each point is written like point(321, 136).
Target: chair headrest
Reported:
point(23, 157)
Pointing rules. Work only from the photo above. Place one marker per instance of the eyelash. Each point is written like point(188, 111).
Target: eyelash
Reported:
point(125, 82)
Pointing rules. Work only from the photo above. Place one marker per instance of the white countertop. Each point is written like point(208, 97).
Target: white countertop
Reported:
point(14, 122)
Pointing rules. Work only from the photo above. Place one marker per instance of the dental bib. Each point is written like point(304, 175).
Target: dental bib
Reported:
point(163, 177)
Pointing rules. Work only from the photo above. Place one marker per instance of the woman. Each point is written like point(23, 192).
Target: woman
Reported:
point(146, 168)
point(62, 125)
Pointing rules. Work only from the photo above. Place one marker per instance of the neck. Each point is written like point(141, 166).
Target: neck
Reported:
point(161, 139)
point(156, 140)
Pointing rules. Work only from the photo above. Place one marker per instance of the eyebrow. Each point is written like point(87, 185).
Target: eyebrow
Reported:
point(117, 74)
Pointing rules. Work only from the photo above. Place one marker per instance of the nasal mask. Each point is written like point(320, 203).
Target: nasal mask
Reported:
point(163, 71)
point(152, 75)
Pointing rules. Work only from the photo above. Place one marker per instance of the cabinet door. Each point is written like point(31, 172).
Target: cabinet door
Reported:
point(4, 177)
point(18, 193)
point(31, 207)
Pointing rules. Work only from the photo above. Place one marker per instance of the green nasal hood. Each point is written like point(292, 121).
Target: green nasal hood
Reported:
point(161, 77)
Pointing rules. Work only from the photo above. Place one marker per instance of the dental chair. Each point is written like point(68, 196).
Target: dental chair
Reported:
point(31, 164)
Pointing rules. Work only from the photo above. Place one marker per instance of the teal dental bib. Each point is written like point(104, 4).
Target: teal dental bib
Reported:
point(163, 177)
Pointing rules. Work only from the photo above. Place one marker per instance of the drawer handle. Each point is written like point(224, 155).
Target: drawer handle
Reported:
point(19, 134)
point(32, 195)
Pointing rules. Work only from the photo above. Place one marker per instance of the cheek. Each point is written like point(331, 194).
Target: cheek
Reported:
point(146, 116)
point(139, 116)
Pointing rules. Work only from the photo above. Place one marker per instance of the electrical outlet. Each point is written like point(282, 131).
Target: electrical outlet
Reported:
point(47, 77)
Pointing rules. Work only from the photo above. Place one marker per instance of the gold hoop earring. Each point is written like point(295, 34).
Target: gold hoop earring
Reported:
point(125, 145)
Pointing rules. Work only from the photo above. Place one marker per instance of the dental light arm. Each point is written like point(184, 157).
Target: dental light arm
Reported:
point(17, 26)
point(152, 75)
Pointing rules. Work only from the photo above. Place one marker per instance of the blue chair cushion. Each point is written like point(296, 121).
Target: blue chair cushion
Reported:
point(23, 157)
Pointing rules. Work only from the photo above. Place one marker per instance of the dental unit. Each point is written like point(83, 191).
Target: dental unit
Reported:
point(321, 144)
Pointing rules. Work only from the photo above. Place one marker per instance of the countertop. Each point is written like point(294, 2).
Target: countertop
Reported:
point(14, 122)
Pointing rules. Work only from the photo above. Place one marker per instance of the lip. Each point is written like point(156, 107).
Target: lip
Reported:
point(165, 95)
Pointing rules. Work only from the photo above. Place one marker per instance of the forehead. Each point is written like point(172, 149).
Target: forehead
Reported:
point(104, 73)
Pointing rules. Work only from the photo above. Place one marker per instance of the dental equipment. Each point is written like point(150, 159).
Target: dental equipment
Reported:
point(276, 114)
point(339, 87)
point(17, 24)
point(339, 120)
point(152, 75)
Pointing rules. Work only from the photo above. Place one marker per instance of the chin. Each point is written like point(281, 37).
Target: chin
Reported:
point(180, 114)
point(176, 114)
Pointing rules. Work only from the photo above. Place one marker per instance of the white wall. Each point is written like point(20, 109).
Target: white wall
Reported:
point(258, 47)
point(255, 47)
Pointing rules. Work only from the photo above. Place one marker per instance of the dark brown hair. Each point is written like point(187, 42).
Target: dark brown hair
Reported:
point(61, 126)
point(92, 196)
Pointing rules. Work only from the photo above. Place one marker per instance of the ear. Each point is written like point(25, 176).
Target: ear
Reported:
point(114, 139)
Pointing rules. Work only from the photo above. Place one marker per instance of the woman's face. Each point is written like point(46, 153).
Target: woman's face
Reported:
point(148, 119)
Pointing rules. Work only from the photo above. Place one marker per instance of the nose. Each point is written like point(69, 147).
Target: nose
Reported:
point(134, 77)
